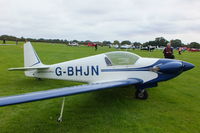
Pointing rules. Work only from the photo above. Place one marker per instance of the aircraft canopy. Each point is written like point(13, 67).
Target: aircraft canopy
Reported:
point(120, 58)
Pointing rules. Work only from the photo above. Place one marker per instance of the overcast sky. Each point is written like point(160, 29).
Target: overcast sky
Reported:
point(98, 20)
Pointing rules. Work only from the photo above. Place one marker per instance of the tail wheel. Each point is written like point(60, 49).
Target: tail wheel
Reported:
point(141, 94)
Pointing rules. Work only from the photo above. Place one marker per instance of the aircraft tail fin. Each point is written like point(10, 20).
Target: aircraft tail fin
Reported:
point(30, 56)
point(31, 59)
point(32, 62)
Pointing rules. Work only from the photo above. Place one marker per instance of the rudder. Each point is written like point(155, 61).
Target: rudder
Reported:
point(30, 56)
point(31, 59)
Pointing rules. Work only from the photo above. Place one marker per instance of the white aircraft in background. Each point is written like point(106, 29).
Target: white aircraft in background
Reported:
point(73, 44)
point(107, 70)
point(126, 46)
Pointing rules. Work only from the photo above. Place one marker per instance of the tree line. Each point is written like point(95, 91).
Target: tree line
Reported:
point(159, 41)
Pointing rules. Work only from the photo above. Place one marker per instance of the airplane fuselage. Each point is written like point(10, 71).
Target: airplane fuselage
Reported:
point(95, 70)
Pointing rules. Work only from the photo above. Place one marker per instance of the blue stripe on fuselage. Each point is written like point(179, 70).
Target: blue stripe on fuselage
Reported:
point(161, 76)
point(147, 68)
point(124, 69)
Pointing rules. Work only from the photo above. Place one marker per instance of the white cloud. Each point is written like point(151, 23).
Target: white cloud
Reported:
point(135, 20)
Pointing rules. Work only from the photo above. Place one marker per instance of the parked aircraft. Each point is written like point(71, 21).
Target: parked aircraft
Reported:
point(149, 48)
point(193, 50)
point(73, 44)
point(107, 70)
point(91, 44)
point(126, 46)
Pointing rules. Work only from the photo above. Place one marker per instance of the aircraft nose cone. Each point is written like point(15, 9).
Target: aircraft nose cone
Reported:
point(187, 66)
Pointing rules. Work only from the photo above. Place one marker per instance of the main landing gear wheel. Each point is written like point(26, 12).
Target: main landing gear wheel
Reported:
point(141, 94)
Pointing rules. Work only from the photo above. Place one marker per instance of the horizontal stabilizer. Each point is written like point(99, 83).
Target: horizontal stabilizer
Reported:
point(28, 68)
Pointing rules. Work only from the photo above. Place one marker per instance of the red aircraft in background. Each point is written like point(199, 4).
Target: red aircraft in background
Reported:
point(91, 44)
point(193, 50)
point(190, 49)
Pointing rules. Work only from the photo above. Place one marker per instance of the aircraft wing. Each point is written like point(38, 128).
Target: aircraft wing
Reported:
point(66, 91)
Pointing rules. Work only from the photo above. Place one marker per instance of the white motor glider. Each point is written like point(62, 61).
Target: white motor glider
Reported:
point(108, 70)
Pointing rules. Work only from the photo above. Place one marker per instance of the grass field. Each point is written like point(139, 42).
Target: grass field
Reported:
point(172, 107)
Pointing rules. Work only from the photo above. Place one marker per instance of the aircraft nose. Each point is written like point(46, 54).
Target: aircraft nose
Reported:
point(187, 66)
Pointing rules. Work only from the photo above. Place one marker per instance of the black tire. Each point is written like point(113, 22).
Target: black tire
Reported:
point(141, 94)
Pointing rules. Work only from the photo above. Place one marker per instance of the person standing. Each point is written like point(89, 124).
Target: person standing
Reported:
point(168, 52)
point(95, 45)
point(4, 41)
point(16, 41)
point(179, 50)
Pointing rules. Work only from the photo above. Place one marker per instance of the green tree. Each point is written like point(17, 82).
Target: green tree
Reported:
point(75, 41)
point(116, 42)
point(137, 44)
point(7, 37)
point(160, 41)
point(176, 43)
point(126, 42)
point(194, 45)
point(106, 43)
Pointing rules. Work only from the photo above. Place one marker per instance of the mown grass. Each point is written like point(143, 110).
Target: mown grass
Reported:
point(172, 107)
